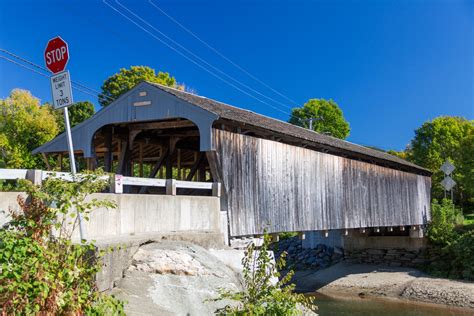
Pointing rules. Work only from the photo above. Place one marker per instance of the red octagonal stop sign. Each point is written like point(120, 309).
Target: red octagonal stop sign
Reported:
point(56, 55)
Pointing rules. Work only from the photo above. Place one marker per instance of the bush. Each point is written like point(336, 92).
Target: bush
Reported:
point(44, 273)
point(444, 219)
point(260, 296)
point(456, 259)
point(454, 251)
point(462, 256)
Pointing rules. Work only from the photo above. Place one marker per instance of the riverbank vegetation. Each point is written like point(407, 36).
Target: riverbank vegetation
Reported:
point(265, 292)
point(452, 243)
point(42, 271)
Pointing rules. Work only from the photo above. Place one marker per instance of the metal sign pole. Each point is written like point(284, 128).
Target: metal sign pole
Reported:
point(73, 163)
point(56, 57)
point(69, 141)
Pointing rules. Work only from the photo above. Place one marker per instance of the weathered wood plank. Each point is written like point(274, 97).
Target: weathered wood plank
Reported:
point(281, 187)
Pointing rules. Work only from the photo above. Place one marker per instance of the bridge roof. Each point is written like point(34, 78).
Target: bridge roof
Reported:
point(247, 117)
point(168, 103)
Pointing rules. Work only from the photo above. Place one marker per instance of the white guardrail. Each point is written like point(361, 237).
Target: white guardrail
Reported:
point(117, 182)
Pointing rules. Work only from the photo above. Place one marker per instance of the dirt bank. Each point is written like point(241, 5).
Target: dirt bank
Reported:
point(347, 279)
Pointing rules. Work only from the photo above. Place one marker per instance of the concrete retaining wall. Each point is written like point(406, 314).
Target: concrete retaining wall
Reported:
point(8, 200)
point(143, 215)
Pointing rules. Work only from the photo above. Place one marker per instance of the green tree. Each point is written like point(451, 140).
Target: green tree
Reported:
point(126, 79)
point(466, 170)
point(24, 125)
point(404, 154)
point(328, 118)
point(446, 138)
point(78, 112)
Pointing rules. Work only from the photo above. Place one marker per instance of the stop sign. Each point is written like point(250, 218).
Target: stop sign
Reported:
point(56, 55)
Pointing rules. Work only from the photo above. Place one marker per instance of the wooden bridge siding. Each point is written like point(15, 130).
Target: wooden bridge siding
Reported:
point(290, 188)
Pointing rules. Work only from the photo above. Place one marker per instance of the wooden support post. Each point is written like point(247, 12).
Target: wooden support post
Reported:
point(46, 162)
point(140, 160)
point(160, 175)
point(202, 172)
point(155, 169)
point(169, 159)
point(169, 167)
point(170, 187)
point(216, 189)
point(108, 156)
point(124, 155)
point(179, 164)
point(216, 174)
point(60, 162)
point(195, 167)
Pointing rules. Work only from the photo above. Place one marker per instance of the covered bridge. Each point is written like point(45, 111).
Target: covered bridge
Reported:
point(274, 175)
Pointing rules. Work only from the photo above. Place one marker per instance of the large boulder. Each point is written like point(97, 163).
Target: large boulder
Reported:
point(175, 278)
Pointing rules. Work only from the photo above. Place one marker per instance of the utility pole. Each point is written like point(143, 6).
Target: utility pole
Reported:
point(311, 120)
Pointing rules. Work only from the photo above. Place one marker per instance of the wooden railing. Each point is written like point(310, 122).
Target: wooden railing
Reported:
point(117, 182)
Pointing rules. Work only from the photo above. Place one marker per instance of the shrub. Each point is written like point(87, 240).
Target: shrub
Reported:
point(261, 296)
point(462, 256)
point(44, 273)
point(444, 219)
point(456, 259)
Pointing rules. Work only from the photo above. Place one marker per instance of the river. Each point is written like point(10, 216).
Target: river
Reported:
point(329, 306)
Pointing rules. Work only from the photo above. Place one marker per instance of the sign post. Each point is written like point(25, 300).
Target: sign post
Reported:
point(448, 183)
point(56, 56)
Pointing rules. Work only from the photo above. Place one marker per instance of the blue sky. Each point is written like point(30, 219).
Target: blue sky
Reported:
point(390, 65)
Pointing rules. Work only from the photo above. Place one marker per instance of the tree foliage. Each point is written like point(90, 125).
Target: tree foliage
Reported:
point(452, 245)
point(445, 216)
point(328, 118)
point(126, 79)
point(446, 138)
point(46, 274)
point(24, 125)
point(78, 112)
point(261, 296)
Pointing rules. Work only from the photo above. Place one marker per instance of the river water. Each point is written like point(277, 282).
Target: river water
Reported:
point(328, 306)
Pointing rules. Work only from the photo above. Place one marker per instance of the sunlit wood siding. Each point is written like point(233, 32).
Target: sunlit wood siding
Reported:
point(289, 188)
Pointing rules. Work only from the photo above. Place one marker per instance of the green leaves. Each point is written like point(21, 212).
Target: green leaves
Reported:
point(261, 295)
point(444, 218)
point(126, 79)
point(51, 275)
point(446, 138)
point(24, 125)
point(78, 112)
point(327, 118)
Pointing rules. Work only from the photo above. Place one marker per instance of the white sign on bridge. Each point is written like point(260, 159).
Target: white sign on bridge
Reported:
point(61, 88)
